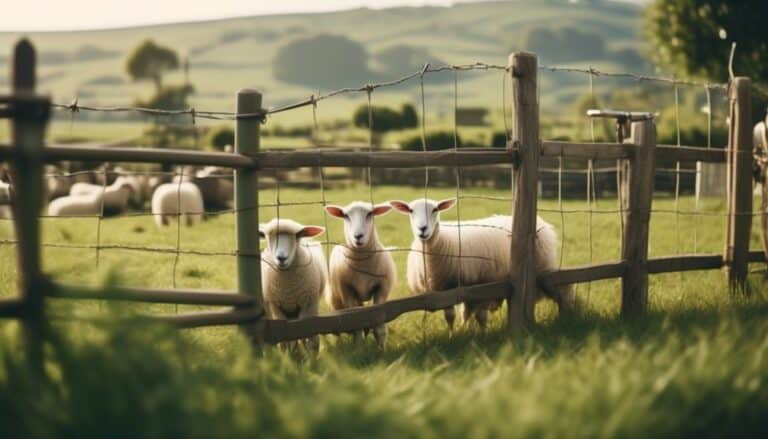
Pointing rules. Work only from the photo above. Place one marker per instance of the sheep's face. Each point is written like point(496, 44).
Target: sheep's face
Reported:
point(358, 221)
point(284, 241)
point(424, 214)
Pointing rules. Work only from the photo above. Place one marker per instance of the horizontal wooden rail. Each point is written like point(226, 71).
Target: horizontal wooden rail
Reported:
point(669, 264)
point(354, 319)
point(386, 159)
point(756, 256)
point(291, 159)
point(597, 151)
point(585, 273)
point(56, 153)
point(210, 318)
point(181, 297)
point(674, 153)
point(11, 307)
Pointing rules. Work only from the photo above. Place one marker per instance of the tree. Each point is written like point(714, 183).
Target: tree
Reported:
point(693, 37)
point(170, 97)
point(385, 119)
point(151, 61)
point(408, 116)
point(321, 61)
point(221, 136)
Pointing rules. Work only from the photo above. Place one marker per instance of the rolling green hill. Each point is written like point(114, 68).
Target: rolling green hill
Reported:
point(229, 54)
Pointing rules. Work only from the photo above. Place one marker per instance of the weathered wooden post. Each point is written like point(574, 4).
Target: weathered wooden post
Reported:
point(638, 191)
point(739, 201)
point(248, 142)
point(30, 114)
point(523, 67)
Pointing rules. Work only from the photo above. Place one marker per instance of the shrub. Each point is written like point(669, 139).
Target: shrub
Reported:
point(435, 140)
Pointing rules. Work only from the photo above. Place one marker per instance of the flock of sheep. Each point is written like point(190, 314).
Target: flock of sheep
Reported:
point(186, 195)
point(443, 255)
point(295, 274)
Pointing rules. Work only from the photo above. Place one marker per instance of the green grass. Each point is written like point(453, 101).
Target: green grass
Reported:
point(696, 366)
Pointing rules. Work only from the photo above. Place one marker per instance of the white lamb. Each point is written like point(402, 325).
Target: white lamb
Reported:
point(434, 263)
point(362, 270)
point(293, 271)
point(115, 199)
point(172, 200)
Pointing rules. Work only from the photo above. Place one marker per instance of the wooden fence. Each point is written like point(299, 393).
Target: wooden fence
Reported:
point(29, 112)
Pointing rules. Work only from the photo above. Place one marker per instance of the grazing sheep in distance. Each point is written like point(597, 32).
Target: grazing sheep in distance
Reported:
point(485, 249)
point(113, 200)
point(362, 270)
point(5, 200)
point(115, 197)
point(293, 271)
point(216, 185)
point(172, 200)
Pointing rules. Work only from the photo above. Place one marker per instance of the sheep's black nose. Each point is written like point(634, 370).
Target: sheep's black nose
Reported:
point(359, 236)
point(281, 259)
point(423, 229)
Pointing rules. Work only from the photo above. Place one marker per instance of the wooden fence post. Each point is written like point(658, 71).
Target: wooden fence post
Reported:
point(248, 142)
point(524, 70)
point(30, 116)
point(639, 196)
point(739, 198)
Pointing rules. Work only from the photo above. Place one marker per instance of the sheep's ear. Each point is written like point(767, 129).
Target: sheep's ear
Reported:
point(381, 209)
point(401, 206)
point(336, 211)
point(446, 204)
point(310, 231)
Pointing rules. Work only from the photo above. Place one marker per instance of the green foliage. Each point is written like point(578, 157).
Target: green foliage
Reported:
point(434, 140)
point(221, 136)
point(170, 97)
point(321, 61)
point(151, 61)
point(386, 119)
point(562, 44)
point(603, 129)
point(693, 37)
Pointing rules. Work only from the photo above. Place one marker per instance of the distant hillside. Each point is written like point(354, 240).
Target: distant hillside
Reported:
point(229, 54)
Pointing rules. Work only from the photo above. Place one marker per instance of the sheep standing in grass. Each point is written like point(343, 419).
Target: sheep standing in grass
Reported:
point(115, 198)
point(5, 200)
point(434, 263)
point(293, 271)
point(172, 200)
point(362, 270)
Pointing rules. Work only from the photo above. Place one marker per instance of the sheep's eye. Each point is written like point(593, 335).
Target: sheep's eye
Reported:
point(434, 210)
point(346, 217)
point(369, 214)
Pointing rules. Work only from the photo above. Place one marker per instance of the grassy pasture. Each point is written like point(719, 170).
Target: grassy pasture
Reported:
point(695, 366)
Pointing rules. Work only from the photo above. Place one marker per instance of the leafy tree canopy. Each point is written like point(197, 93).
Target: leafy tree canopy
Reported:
point(386, 119)
point(151, 61)
point(693, 37)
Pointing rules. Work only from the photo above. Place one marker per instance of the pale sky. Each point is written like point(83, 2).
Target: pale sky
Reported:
point(48, 15)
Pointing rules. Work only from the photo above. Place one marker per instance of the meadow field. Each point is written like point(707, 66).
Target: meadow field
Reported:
point(695, 366)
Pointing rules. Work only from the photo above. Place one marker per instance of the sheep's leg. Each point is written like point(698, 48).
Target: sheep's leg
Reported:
point(380, 332)
point(189, 219)
point(450, 317)
point(481, 315)
point(312, 344)
point(351, 300)
point(274, 312)
point(566, 299)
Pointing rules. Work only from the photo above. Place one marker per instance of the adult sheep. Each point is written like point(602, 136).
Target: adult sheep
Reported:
point(293, 271)
point(113, 197)
point(434, 263)
point(172, 200)
point(361, 270)
point(113, 200)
